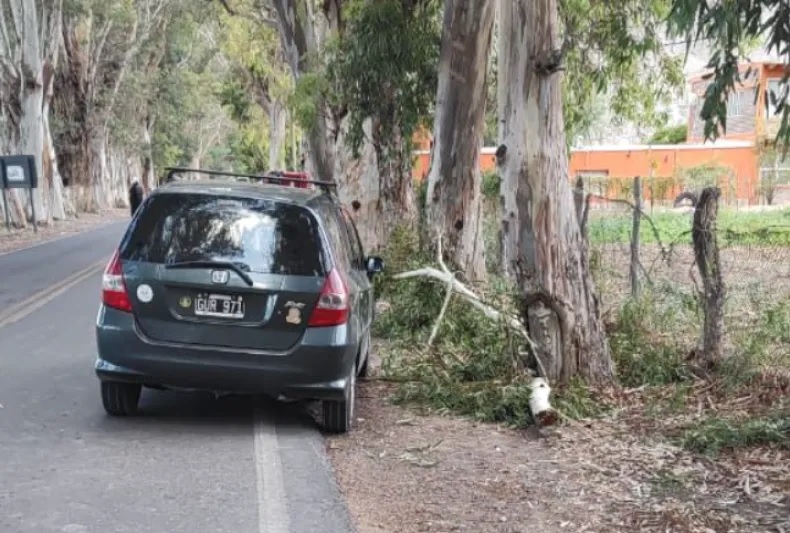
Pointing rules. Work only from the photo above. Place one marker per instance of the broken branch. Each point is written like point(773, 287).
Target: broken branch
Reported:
point(447, 297)
point(540, 407)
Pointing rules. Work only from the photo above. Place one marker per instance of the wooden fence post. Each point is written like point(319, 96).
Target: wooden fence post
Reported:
point(637, 219)
point(706, 254)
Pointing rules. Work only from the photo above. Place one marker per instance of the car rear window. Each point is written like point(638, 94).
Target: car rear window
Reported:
point(268, 237)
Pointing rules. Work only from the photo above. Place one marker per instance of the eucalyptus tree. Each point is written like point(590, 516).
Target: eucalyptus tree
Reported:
point(554, 56)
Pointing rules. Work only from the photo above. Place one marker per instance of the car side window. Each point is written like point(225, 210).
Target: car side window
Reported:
point(338, 238)
point(357, 254)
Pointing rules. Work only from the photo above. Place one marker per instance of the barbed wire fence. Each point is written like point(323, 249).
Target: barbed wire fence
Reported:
point(640, 249)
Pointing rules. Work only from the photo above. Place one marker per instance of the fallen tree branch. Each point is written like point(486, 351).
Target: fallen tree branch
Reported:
point(540, 407)
point(448, 296)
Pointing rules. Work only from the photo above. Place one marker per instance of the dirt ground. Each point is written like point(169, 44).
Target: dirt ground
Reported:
point(17, 239)
point(409, 472)
point(404, 470)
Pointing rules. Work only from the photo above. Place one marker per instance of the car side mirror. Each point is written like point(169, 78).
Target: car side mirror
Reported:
point(375, 265)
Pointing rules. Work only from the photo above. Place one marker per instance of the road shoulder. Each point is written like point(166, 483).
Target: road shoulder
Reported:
point(21, 239)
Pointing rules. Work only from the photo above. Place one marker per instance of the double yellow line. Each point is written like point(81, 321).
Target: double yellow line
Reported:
point(22, 309)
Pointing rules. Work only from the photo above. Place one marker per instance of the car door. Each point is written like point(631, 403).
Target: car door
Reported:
point(358, 261)
point(342, 255)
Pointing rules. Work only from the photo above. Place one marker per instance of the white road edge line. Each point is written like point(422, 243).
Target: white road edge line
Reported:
point(272, 506)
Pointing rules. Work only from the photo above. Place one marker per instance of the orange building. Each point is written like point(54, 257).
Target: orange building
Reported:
point(752, 120)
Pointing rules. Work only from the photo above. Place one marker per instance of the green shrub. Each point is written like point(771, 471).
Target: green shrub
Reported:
point(718, 434)
point(646, 341)
point(489, 185)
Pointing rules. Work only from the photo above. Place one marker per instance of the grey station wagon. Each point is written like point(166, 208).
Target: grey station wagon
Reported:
point(233, 287)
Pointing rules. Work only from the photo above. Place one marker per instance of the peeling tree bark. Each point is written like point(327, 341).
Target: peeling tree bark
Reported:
point(59, 207)
point(454, 198)
point(360, 195)
point(396, 206)
point(544, 251)
point(31, 130)
point(277, 116)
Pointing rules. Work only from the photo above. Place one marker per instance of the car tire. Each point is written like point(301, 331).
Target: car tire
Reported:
point(364, 370)
point(120, 399)
point(339, 415)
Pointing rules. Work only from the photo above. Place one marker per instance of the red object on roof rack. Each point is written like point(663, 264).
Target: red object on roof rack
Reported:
point(300, 180)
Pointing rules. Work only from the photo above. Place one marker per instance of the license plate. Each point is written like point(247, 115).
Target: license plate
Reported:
point(219, 305)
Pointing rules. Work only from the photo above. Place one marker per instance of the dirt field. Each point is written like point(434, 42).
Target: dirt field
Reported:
point(404, 472)
point(749, 271)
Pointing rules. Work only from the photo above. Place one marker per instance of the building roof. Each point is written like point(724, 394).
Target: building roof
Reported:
point(764, 60)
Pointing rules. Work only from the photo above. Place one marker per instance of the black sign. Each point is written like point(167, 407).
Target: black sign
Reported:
point(18, 172)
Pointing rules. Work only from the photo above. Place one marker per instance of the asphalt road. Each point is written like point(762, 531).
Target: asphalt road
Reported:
point(189, 463)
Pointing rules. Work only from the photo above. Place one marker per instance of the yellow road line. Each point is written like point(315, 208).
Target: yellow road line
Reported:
point(25, 307)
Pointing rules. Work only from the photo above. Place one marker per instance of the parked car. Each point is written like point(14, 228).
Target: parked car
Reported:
point(231, 287)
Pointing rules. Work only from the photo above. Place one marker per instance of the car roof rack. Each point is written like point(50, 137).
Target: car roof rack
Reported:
point(327, 187)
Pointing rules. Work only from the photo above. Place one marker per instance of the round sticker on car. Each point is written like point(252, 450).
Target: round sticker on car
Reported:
point(145, 293)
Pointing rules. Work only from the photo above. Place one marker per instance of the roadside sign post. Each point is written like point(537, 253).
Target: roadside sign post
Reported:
point(5, 210)
point(19, 172)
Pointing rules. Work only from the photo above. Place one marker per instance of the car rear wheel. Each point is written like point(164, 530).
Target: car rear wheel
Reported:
point(339, 415)
point(120, 399)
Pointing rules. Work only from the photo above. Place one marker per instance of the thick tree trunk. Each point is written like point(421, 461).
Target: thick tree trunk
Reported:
point(73, 104)
point(148, 177)
point(543, 247)
point(396, 206)
point(31, 131)
point(296, 22)
point(328, 156)
point(122, 170)
point(59, 207)
point(454, 198)
point(277, 116)
point(97, 146)
point(360, 190)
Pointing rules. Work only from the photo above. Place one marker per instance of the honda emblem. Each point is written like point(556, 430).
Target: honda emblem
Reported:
point(219, 276)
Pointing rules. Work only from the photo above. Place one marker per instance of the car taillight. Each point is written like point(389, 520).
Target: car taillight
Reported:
point(332, 308)
point(113, 288)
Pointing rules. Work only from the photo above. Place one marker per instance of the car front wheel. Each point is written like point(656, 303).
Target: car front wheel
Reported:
point(120, 399)
point(339, 415)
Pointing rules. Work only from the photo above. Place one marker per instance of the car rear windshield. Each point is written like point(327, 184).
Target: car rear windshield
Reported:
point(266, 236)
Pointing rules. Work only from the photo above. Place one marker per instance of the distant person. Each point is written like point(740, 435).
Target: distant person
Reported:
point(136, 195)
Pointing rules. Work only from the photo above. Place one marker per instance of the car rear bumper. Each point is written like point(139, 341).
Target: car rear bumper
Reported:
point(316, 368)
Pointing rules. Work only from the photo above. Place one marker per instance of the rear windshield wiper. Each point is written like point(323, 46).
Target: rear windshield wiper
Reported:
point(237, 267)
